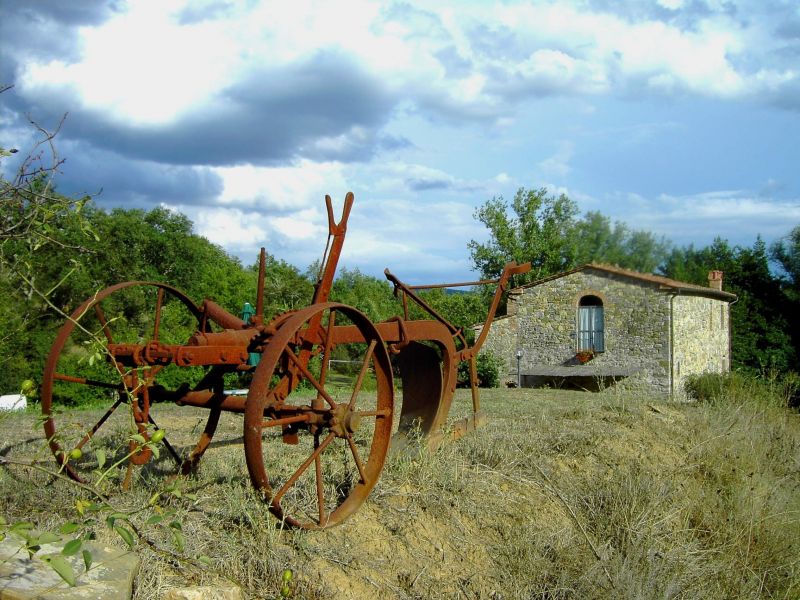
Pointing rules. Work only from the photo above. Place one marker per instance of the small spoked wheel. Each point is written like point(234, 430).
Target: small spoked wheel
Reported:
point(318, 418)
point(119, 399)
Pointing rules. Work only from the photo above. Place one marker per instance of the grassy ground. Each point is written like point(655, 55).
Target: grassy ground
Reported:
point(561, 495)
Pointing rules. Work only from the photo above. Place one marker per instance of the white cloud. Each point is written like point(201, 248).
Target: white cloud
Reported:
point(293, 187)
point(233, 229)
point(557, 165)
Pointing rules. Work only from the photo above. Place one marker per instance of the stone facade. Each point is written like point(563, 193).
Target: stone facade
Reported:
point(657, 331)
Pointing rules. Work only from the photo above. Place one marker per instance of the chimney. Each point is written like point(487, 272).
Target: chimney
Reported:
point(715, 280)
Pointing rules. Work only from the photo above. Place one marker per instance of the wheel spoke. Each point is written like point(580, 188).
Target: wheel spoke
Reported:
point(383, 412)
point(311, 379)
point(89, 382)
point(99, 424)
point(293, 479)
point(361, 374)
point(171, 450)
point(320, 483)
point(285, 421)
point(356, 458)
point(103, 322)
point(159, 302)
point(326, 354)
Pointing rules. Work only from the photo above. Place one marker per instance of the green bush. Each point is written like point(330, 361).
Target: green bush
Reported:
point(773, 389)
point(488, 367)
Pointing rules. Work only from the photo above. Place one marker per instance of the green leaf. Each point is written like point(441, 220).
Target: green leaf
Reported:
point(61, 566)
point(137, 437)
point(87, 559)
point(153, 520)
point(72, 547)
point(21, 528)
point(177, 540)
point(101, 457)
point(206, 560)
point(125, 534)
point(47, 538)
point(176, 525)
point(68, 528)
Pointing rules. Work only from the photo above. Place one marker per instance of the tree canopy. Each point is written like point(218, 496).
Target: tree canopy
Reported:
point(545, 229)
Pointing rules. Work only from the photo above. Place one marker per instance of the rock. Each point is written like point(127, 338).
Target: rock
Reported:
point(204, 593)
point(110, 578)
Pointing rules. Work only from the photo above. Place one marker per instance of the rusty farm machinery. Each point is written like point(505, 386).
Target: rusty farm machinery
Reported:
point(314, 448)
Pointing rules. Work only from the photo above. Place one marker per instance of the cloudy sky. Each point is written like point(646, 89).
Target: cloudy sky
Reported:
point(677, 116)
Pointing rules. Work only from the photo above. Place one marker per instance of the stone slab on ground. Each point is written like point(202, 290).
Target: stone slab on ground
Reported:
point(110, 578)
point(204, 593)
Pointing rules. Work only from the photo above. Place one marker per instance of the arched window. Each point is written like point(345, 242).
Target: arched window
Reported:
point(590, 324)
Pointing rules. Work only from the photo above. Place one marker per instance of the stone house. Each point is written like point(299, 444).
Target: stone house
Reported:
point(599, 324)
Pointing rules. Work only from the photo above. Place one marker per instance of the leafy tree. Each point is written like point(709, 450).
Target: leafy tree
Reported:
point(540, 230)
point(462, 309)
point(285, 287)
point(374, 297)
point(545, 230)
point(597, 240)
point(786, 252)
point(761, 329)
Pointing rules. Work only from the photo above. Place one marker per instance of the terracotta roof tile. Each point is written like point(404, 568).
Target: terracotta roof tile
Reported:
point(664, 282)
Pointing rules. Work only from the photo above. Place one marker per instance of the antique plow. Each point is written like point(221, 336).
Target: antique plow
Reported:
point(313, 447)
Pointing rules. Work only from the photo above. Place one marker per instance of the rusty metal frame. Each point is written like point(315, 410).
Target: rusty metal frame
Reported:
point(426, 352)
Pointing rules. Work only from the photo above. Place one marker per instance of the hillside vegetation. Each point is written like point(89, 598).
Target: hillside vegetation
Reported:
point(561, 495)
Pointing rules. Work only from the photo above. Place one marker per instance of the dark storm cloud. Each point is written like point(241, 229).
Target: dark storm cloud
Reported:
point(269, 117)
point(114, 181)
point(45, 30)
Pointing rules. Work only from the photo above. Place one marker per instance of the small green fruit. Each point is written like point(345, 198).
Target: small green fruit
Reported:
point(286, 591)
point(157, 436)
point(287, 575)
point(27, 386)
point(75, 454)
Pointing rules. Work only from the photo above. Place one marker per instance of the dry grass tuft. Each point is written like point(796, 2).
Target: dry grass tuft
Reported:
point(561, 495)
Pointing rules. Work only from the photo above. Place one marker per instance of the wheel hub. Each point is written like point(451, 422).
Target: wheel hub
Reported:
point(344, 421)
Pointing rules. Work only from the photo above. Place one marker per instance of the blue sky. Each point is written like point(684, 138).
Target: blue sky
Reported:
point(681, 117)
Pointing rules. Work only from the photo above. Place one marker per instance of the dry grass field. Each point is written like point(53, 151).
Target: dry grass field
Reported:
point(561, 495)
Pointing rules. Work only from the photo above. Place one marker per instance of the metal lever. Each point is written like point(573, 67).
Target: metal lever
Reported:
point(339, 228)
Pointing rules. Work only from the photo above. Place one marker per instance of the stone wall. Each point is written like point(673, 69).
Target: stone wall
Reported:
point(502, 342)
point(701, 337)
point(642, 320)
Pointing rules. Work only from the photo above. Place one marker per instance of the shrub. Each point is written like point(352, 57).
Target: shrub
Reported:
point(488, 367)
point(773, 389)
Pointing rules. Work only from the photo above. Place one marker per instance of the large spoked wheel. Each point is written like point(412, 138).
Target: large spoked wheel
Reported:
point(318, 418)
point(81, 371)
